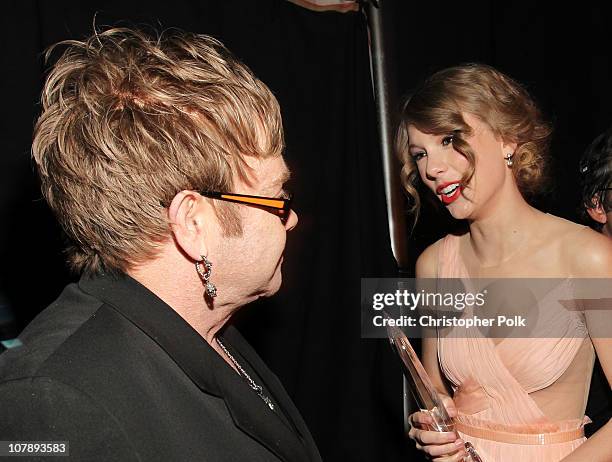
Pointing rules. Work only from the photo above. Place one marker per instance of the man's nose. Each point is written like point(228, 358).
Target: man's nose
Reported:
point(292, 221)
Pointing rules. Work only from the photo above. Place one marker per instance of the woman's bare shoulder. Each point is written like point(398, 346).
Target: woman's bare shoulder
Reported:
point(562, 227)
point(587, 252)
point(427, 263)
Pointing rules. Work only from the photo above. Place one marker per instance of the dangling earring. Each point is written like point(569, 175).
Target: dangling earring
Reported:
point(211, 289)
point(508, 158)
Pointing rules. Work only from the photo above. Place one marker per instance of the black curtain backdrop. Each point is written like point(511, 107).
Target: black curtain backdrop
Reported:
point(348, 389)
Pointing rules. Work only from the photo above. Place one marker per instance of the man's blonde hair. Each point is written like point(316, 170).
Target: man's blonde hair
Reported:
point(129, 120)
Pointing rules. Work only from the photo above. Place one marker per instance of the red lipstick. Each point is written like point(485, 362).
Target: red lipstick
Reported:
point(452, 193)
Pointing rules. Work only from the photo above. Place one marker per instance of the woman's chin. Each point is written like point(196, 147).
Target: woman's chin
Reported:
point(460, 209)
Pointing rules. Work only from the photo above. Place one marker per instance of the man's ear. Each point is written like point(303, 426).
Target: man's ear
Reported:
point(597, 213)
point(187, 217)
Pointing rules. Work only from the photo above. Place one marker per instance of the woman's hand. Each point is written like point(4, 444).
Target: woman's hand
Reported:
point(439, 446)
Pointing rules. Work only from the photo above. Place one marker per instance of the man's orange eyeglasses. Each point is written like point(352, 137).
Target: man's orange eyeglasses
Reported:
point(280, 206)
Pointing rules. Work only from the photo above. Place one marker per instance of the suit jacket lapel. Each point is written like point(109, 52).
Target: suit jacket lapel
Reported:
point(298, 427)
point(204, 366)
point(273, 384)
point(253, 416)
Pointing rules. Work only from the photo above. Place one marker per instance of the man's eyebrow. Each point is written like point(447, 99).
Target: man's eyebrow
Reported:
point(284, 177)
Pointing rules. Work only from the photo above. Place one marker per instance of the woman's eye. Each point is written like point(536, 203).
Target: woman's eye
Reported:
point(447, 140)
point(418, 155)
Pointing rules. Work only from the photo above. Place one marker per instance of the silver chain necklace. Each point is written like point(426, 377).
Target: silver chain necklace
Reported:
point(257, 388)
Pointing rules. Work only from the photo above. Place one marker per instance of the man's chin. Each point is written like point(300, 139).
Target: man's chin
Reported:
point(271, 288)
point(275, 283)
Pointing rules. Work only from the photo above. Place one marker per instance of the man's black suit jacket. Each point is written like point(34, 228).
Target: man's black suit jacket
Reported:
point(113, 370)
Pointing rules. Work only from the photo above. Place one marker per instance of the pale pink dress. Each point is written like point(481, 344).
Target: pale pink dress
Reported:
point(519, 400)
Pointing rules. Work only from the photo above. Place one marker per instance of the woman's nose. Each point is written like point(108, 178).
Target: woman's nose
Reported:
point(436, 165)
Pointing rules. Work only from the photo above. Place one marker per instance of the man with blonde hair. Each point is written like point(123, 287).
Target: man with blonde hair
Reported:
point(162, 159)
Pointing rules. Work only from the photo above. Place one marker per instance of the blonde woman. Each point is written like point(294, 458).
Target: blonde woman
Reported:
point(475, 138)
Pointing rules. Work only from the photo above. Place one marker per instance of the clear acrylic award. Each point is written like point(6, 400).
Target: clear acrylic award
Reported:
point(425, 395)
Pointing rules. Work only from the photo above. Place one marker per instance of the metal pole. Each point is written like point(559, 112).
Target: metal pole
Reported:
point(383, 93)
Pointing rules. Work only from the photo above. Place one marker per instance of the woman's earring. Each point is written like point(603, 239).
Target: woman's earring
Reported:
point(211, 289)
point(508, 158)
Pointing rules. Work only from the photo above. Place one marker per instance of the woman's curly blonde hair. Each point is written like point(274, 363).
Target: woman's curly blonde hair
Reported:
point(129, 120)
point(500, 102)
